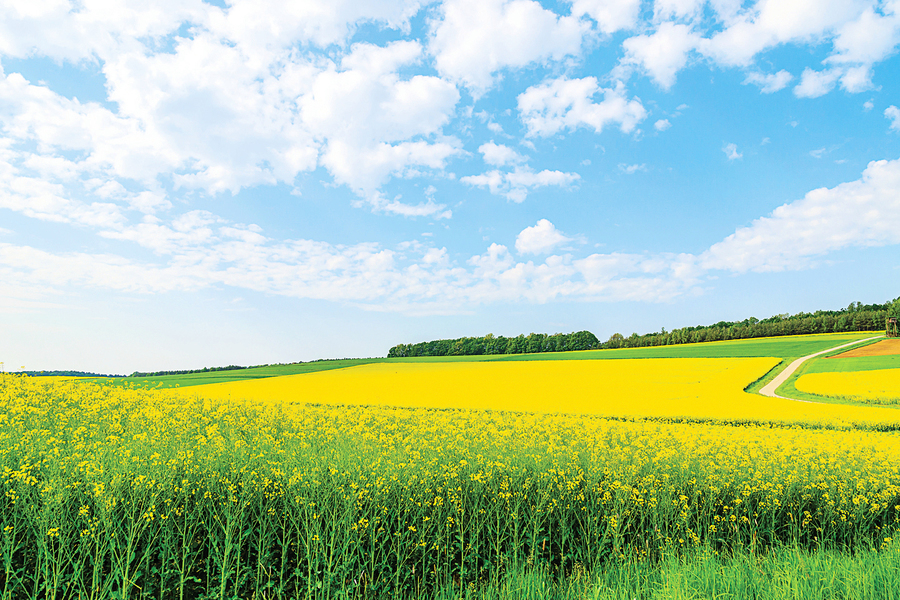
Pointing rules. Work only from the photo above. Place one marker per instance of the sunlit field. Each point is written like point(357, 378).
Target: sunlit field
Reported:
point(425, 479)
point(675, 388)
point(880, 386)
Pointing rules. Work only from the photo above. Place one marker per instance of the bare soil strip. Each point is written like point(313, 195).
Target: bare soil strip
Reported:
point(769, 388)
point(884, 348)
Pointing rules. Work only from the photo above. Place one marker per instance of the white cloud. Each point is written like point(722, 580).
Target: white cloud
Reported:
point(769, 23)
point(816, 83)
point(273, 24)
point(471, 40)
point(663, 53)
point(540, 238)
point(676, 9)
point(366, 112)
point(430, 208)
point(632, 169)
point(567, 104)
point(234, 105)
point(769, 83)
point(857, 79)
point(869, 38)
point(860, 213)
point(818, 153)
point(868, 105)
point(893, 113)
point(610, 15)
point(516, 184)
point(499, 155)
point(197, 250)
point(76, 31)
point(731, 151)
point(662, 125)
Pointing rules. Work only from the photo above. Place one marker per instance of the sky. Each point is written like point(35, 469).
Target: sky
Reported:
point(187, 184)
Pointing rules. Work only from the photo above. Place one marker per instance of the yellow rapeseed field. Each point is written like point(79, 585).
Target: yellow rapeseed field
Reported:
point(156, 494)
point(690, 388)
point(881, 386)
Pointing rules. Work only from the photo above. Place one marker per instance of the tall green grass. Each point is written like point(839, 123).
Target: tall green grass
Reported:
point(781, 574)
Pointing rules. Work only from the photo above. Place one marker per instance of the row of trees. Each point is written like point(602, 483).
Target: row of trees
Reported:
point(856, 317)
point(67, 374)
point(522, 344)
point(188, 371)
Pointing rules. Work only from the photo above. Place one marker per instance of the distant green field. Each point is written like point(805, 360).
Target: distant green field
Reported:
point(190, 379)
point(786, 347)
point(859, 363)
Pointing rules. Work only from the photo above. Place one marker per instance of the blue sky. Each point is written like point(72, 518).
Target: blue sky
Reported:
point(189, 184)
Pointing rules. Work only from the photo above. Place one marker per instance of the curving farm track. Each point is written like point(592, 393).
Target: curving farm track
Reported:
point(769, 388)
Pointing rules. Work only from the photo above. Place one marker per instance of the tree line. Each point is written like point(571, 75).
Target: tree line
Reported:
point(856, 317)
point(188, 371)
point(66, 374)
point(489, 344)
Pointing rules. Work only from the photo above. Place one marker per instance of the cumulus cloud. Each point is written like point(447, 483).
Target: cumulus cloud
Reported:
point(471, 40)
point(610, 15)
point(816, 83)
point(272, 24)
point(198, 249)
point(632, 169)
point(663, 53)
point(731, 152)
point(769, 83)
point(860, 213)
point(515, 185)
point(869, 38)
point(220, 116)
point(540, 238)
point(662, 125)
point(79, 31)
point(768, 24)
point(566, 104)
point(499, 155)
point(676, 9)
point(860, 36)
point(893, 113)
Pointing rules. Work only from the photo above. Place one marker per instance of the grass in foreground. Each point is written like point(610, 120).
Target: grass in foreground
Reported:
point(780, 574)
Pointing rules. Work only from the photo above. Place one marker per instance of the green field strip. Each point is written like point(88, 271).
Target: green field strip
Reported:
point(192, 379)
point(785, 347)
point(853, 364)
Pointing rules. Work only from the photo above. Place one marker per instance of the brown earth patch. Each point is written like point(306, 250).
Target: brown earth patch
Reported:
point(882, 348)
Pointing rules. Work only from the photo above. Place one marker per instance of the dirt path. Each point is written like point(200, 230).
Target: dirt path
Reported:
point(769, 388)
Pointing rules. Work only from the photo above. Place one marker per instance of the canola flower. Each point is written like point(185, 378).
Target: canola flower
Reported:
point(880, 386)
point(672, 388)
point(131, 493)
